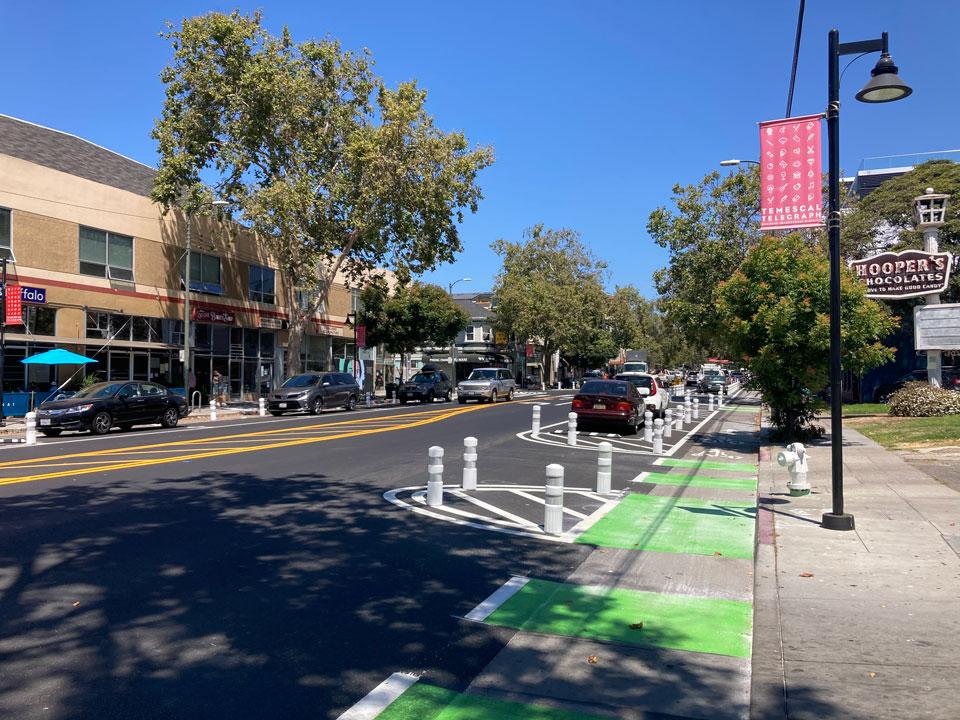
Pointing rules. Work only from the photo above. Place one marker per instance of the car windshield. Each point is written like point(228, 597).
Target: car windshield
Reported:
point(422, 378)
point(641, 381)
point(100, 390)
point(711, 373)
point(487, 374)
point(299, 381)
point(605, 387)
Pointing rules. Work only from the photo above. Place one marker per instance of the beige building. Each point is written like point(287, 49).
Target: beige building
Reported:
point(101, 272)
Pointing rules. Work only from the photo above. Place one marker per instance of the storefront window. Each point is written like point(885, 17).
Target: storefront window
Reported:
point(120, 327)
point(201, 336)
point(98, 325)
point(266, 344)
point(40, 320)
point(146, 329)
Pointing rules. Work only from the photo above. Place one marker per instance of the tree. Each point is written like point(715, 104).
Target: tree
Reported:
point(550, 288)
point(776, 308)
point(629, 317)
point(714, 223)
point(416, 315)
point(337, 173)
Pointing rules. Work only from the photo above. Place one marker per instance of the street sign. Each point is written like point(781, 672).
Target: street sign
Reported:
point(937, 327)
point(791, 187)
point(906, 274)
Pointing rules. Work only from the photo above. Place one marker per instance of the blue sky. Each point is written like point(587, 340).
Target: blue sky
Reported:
point(594, 109)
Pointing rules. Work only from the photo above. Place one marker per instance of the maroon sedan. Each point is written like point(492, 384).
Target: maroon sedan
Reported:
point(612, 401)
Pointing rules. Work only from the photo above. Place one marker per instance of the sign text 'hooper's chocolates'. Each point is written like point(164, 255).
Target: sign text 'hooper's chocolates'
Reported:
point(791, 188)
point(907, 274)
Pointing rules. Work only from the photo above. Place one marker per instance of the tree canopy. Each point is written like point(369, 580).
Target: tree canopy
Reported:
point(335, 171)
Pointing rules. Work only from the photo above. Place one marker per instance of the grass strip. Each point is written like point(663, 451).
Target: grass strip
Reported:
point(708, 464)
point(894, 432)
point(630, 617)
point(676, 525)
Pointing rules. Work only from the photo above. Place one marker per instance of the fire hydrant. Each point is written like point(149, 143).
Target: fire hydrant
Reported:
point(794, 458)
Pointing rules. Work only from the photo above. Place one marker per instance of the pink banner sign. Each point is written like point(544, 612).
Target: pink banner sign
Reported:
point(791, 194)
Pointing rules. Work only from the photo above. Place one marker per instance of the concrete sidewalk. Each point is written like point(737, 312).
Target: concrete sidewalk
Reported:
point(860, 624)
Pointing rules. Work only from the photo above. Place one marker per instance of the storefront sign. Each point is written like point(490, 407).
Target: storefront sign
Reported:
point(220, 317)
point(37, 296)
point(271, 323)
point(14, 306)
point(791, 194)
point(937, 327)
point(323, 329)
point(907, 274)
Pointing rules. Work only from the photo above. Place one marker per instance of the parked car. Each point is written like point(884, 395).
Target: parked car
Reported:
point(712, 381)
point(594, 375)
point(609, 401)
point(950, 375)
point(426, 386)
point(692, 379)
point(656, 397)
point(105, 405)
point(313, 392)
point(487, 385)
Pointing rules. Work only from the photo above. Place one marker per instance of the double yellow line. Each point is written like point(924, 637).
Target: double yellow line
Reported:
point(416, 419)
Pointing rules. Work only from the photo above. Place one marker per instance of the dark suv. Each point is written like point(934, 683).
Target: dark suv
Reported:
point(313, 392)
point(426, 386)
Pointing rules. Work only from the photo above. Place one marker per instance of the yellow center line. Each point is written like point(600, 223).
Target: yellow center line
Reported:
point(124, 465)
point(201, 441)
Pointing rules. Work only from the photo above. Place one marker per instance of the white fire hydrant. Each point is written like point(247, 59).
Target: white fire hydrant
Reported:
point(794, 458)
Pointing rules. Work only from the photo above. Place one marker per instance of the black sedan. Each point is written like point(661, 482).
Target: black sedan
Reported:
point(100, 407)
point(609, 401)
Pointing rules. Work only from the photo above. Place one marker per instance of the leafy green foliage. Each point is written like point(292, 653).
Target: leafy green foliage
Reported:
point(416, 315)
point(920, 399)
point(550, 288)
point(776, 311)
point(334, 171)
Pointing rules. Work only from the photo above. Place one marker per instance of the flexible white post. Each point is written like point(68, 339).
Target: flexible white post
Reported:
point(369, 399)
point(604, 468)
point(687, 411)
point(469, 463)
point(263, 407)
point(572, 429)
point(31, 432)
point(720, 398)
point(668, 424)
point(213, 410)
point(696, 409)
point(536, 420)
point(710, 402)
point(553, 500)
point(678, 423)
point(658, 436)
point(435, 476)
point(648, 426)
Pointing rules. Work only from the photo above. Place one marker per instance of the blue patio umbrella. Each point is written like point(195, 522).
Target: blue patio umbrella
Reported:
point(58, 356)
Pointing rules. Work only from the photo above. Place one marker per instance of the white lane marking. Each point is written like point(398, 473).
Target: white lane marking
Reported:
point(594, 434)
point(517, 520)
point(642, 476)
point(613, 435)
point(581, 527)
point(499, 596)
point(542, 501)
point(560, 404)
point(377, 700)
point(421, 497)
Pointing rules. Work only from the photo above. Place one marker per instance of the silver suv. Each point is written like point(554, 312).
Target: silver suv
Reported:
point(314, 392)
point(487, 385)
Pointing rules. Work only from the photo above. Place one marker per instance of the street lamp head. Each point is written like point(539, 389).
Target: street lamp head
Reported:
point(221, 203)
point(930, 209)
point(728, 163)
point(884, 85)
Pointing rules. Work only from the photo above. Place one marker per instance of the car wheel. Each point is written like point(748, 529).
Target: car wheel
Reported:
point(52, 433)
point(102, 422)
point(462, 401)
point(449, 396)
point(403, 399)
point(276, 413)
point(633, 427)
point(170, 417)
point(510, 395)
point(316, 407)
point(429, 398)
point(493, 396)
point(351, 402)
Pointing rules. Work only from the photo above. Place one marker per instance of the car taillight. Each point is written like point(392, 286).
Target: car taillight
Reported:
point(624, 406)
point(955, 381)
point(653, 389)
point(578, 403)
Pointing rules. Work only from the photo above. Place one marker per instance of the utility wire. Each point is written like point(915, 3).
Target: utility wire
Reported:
point(796, 57)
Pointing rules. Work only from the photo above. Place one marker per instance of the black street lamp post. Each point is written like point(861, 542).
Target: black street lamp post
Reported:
point(884, 86)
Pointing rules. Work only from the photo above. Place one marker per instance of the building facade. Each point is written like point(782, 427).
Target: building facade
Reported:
point(101, 270)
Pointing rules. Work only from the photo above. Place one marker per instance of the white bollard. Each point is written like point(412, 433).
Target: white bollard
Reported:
point(604, 468)
point(648, 426)
point(536, 419)
point(435, 476)
point(31, 433)
point(469, 463)
point(213, 410)
point(369, 399)
point(668, 424)
point(687, 411)
point(720, 398)
point(572, 429)
point(263, 407)
point(553, 501)
point(710, 402)
point(678, 423)
point(658, 436)
point(696, 409)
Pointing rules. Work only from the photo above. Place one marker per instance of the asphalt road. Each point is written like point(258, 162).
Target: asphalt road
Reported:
point(254, 570)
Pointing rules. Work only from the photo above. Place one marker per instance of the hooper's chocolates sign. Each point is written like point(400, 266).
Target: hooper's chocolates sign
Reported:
point(907, 274)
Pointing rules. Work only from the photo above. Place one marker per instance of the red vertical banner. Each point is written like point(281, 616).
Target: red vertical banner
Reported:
point(14, 305)
point(361, 335)
point(791, 190)
point(529, 350)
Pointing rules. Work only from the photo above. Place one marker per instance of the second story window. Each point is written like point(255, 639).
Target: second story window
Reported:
point(106, 254)
point(262, 284)
point(355, 300)
point(205, 276)
point(6, 238)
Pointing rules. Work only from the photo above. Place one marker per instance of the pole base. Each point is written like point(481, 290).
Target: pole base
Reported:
point(831, 521)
